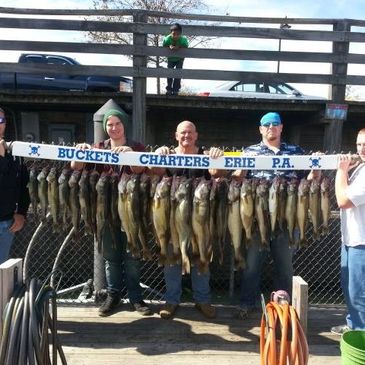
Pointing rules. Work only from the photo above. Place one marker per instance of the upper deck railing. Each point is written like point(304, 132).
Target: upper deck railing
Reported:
point(341, 35)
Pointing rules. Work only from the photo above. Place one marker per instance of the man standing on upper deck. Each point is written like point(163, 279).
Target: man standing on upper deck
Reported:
point(270, 129)
point(175, 40)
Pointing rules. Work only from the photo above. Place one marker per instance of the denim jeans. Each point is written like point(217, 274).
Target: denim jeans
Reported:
point(282, 256)
point(353, 284)
point(199, 283)
point(174, 85)
point(120, 266)
point(6, 239)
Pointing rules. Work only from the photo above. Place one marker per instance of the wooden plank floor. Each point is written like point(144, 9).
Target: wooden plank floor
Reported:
point(187, 339)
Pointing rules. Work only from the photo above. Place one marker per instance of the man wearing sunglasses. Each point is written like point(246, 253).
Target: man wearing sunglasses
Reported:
point(14, 196)
point(271, 144)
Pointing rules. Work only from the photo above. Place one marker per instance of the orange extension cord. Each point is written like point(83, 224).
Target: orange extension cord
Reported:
point(292, 347)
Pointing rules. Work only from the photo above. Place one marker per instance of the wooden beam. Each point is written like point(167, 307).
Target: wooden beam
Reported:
point(10, 277)
point(332, 140)
point(139, 86)
point(126, 49)
point(184, 73)
point(300, 300)
point(163, 14)
point(202, 30)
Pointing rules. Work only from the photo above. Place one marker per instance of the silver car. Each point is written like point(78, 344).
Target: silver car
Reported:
point(260, 90)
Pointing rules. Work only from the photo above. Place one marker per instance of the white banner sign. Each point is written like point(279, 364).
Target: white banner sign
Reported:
point(275, 162)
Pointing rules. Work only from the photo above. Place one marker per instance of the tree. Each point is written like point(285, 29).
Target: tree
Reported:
point(172, 6)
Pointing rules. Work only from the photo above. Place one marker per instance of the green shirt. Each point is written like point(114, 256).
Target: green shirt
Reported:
point(181, 42)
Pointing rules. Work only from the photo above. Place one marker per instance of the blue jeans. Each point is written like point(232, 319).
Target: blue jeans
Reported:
point(6, 239)
point(199, 283)
point(282, 256)
point(174, 85)
point(121, 266)
point(353, 284)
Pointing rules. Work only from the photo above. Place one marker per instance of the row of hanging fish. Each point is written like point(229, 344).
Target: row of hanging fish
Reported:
point(188, 217)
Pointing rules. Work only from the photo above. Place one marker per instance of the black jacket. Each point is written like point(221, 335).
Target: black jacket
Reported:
point(14, 195)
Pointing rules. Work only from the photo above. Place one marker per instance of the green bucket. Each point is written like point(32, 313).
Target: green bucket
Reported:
point(353, 348)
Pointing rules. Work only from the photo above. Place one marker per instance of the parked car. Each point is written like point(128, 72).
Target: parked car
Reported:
point(63, 82)
point(261, 90)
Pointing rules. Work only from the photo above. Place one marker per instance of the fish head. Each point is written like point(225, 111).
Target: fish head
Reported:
point(184, 189)
point(43, 174)
point(94, 177)
point(33, 173)
point(314, 186)
point(304, 186)
point(275, 183)
point(102, 182)
point(202, 191)
point(246, 187)
point(154, 181)
point(163, 188)
point(74, 178)
point(234, 191)
point(133, 184)
point(144, 183)
point(262, 187)
point(325, 184)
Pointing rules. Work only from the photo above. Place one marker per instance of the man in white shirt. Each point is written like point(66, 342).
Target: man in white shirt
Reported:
point(350, 195)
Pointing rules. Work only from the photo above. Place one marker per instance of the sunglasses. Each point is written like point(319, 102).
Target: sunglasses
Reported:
point(274, 124)
point(2, 120)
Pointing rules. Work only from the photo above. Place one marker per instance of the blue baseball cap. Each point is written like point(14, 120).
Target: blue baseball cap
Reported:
point(270, 118)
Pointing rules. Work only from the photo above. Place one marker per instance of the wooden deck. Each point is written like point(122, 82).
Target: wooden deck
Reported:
point(187, 339)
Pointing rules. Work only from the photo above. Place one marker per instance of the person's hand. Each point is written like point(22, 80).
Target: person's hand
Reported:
point(345, 162)
point(163, 150)
point(3, 147)
point(83, 146)
point(173, 47)
point(18, 224)
point(315, 173)
point(123, 149)
point(214, 152)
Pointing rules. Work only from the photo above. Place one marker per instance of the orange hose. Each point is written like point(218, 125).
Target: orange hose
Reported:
point(292, 347)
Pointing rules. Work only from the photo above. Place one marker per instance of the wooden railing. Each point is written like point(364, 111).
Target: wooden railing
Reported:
point(340, 36)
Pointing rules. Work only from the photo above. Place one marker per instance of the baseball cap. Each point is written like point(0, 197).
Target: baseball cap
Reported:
point(270, 118)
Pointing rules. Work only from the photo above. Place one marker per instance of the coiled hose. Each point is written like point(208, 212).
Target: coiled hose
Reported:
point(29, 326)
point(282, 339)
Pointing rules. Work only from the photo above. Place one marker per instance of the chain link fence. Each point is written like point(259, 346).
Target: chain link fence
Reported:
point(72, 261)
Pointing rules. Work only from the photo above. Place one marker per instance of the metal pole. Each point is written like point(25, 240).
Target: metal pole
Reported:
point(99, 271)
point(278, 69)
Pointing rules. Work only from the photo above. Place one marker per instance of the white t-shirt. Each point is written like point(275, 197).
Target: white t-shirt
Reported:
point(353, 219)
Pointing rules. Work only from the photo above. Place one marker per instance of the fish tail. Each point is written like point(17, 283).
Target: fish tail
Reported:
point(185, 265)
point(203, 267)
point(147, 254)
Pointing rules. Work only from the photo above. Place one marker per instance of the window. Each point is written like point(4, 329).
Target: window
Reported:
point(280, 89)
point(57, 61)
point(34, 59)
point(251, 88)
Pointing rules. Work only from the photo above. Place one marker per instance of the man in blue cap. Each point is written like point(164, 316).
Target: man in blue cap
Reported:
point(270, 129)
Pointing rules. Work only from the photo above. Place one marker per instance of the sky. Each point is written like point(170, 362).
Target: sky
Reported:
point(260, 8)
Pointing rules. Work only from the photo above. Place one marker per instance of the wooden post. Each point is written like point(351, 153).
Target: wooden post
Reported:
point(333, 130)
point(10, 277)
point(300, 300)
point(139, 84)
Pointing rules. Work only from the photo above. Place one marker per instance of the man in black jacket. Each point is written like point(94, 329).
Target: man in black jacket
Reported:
point(14, 196)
